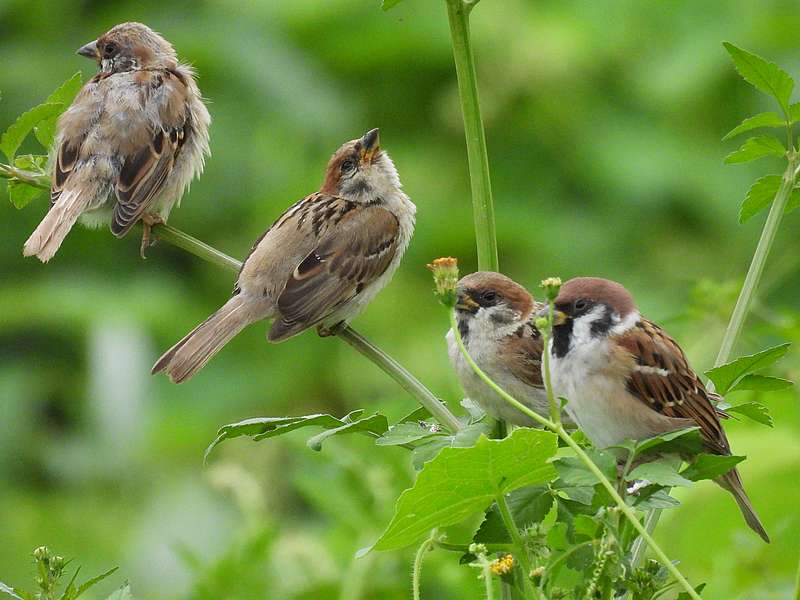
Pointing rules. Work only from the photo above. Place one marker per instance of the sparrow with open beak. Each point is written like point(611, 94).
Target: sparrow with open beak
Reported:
point(130, 143)
point(494, 319)
point(625, 378)
point(319, 264)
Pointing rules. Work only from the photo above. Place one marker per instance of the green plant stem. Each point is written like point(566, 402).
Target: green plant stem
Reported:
point(519, 544)
point(37, 180)
point(417, 569)
point(482, 207)
point(464, 548)
point(192, 245)
point(768, 234)
point(555, 411)
point(559, 430)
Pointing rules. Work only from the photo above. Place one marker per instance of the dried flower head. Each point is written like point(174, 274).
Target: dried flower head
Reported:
point(445, 277)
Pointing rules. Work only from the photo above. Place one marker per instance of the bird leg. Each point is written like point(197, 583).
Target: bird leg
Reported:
point(149, 221)
point(323, 331)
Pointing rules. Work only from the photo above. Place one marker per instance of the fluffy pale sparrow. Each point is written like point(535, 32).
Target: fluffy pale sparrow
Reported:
point(494, 319)
point(625, 378)
point(131, 142)
point(319, 264)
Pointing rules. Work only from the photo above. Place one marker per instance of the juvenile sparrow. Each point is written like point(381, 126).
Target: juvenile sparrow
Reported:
point(130, 143)
point(320, 263)
point(494, 320)
point(625, 378)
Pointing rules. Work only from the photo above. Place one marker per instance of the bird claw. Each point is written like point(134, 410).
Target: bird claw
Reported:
point(149, 221)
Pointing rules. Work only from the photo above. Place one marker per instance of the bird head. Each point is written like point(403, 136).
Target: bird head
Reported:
point(128, 47)
point(491, 304)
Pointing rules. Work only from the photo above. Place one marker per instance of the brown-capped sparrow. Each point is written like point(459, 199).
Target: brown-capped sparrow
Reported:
point(625, 378)
point(130, 143)
point(494, 319)
point(320, 263)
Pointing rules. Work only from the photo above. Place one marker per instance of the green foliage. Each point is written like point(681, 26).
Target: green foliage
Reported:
point(16, 133)
point(389, 4)
point(710, 466)
point(725, 377)
point(51, 568)
point(765, 76)
point(660, 473)
point(63, 95)
point(765, 119)
point(460, 482)
point(761, 194)
point(755, 411)
point(755, 148)
point(21, 193)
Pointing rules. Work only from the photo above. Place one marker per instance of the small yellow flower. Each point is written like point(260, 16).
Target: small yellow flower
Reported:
point(551, 286)
point(502, 565)
point(445, 277)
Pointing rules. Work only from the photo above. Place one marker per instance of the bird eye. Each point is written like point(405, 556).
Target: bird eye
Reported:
point(489, 296)
point(348, 165)
point(109, 50)
point(581, 305)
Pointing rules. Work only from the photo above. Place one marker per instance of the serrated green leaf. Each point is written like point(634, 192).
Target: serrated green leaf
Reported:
point(765, 119)
point(585, 527)
point(93, 581)
point(658, 472)
point(388, 4)
point(19, 129)
point(760, 383)
point(687, 440)
point(765, 76)
point(710, 466)
point(376, 424)
point(21, 194)
point(759, 196)
point(573, 473)
point(755, 148)
point(528, 505)
point(123, 593)
point(460, 482)
point(725, 376)
point(64, 94)
point(263, 427)
point(405, 433)
point(464, 438)
point(753, 410)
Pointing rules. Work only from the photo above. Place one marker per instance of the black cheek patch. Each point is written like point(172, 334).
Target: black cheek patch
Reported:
point(603, 324)
point(561, 337)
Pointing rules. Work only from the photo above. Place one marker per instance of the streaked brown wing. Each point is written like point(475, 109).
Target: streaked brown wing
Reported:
point(663, 380)
point(347, 259)
point(66, 159)
point(145, 169)
point(524, 349)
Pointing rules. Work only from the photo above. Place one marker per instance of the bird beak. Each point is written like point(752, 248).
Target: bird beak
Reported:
point(89, 50)
point(559, 317)
point(370, 145)
point(466, 304)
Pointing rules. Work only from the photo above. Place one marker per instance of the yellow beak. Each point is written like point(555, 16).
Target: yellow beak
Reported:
point(464, 302)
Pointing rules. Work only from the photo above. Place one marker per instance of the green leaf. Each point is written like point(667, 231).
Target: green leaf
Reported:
point(405, 433)
point(765, 119)
point(465, 438)
point(725, 376)
point(64, 94)
point(21, 195)
point(528, 505)
point(794, 200)
point(755, 148)
point(572, 472)
point(759, 196)
point(686, 596)
point(264, 427)
point(753, 410)
point(710, 466)
point(462, 481)
point(659, 472)
point(585, 527)
point(760, 383)
point(388, 4)
point(687, 440)
point(19, 129)
point(652, 497)
point(123, 593)
point(93, 581)
point(765, 76)
point(376, 424)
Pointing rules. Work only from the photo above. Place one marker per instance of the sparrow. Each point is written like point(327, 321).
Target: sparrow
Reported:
point(625, 378)
point(130, 143)
point(494, 317)
point(320, 263)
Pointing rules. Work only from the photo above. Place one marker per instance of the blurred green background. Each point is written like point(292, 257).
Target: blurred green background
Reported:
point(603, 121)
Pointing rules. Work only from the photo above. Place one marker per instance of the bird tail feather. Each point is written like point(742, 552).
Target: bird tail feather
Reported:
point(192, 353)
point(732, 482)
point(46, 239)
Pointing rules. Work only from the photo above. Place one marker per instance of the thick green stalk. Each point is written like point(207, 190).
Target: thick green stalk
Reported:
point(768, 234)
point(481, 185)
point(519, 545)
point(559, 430)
